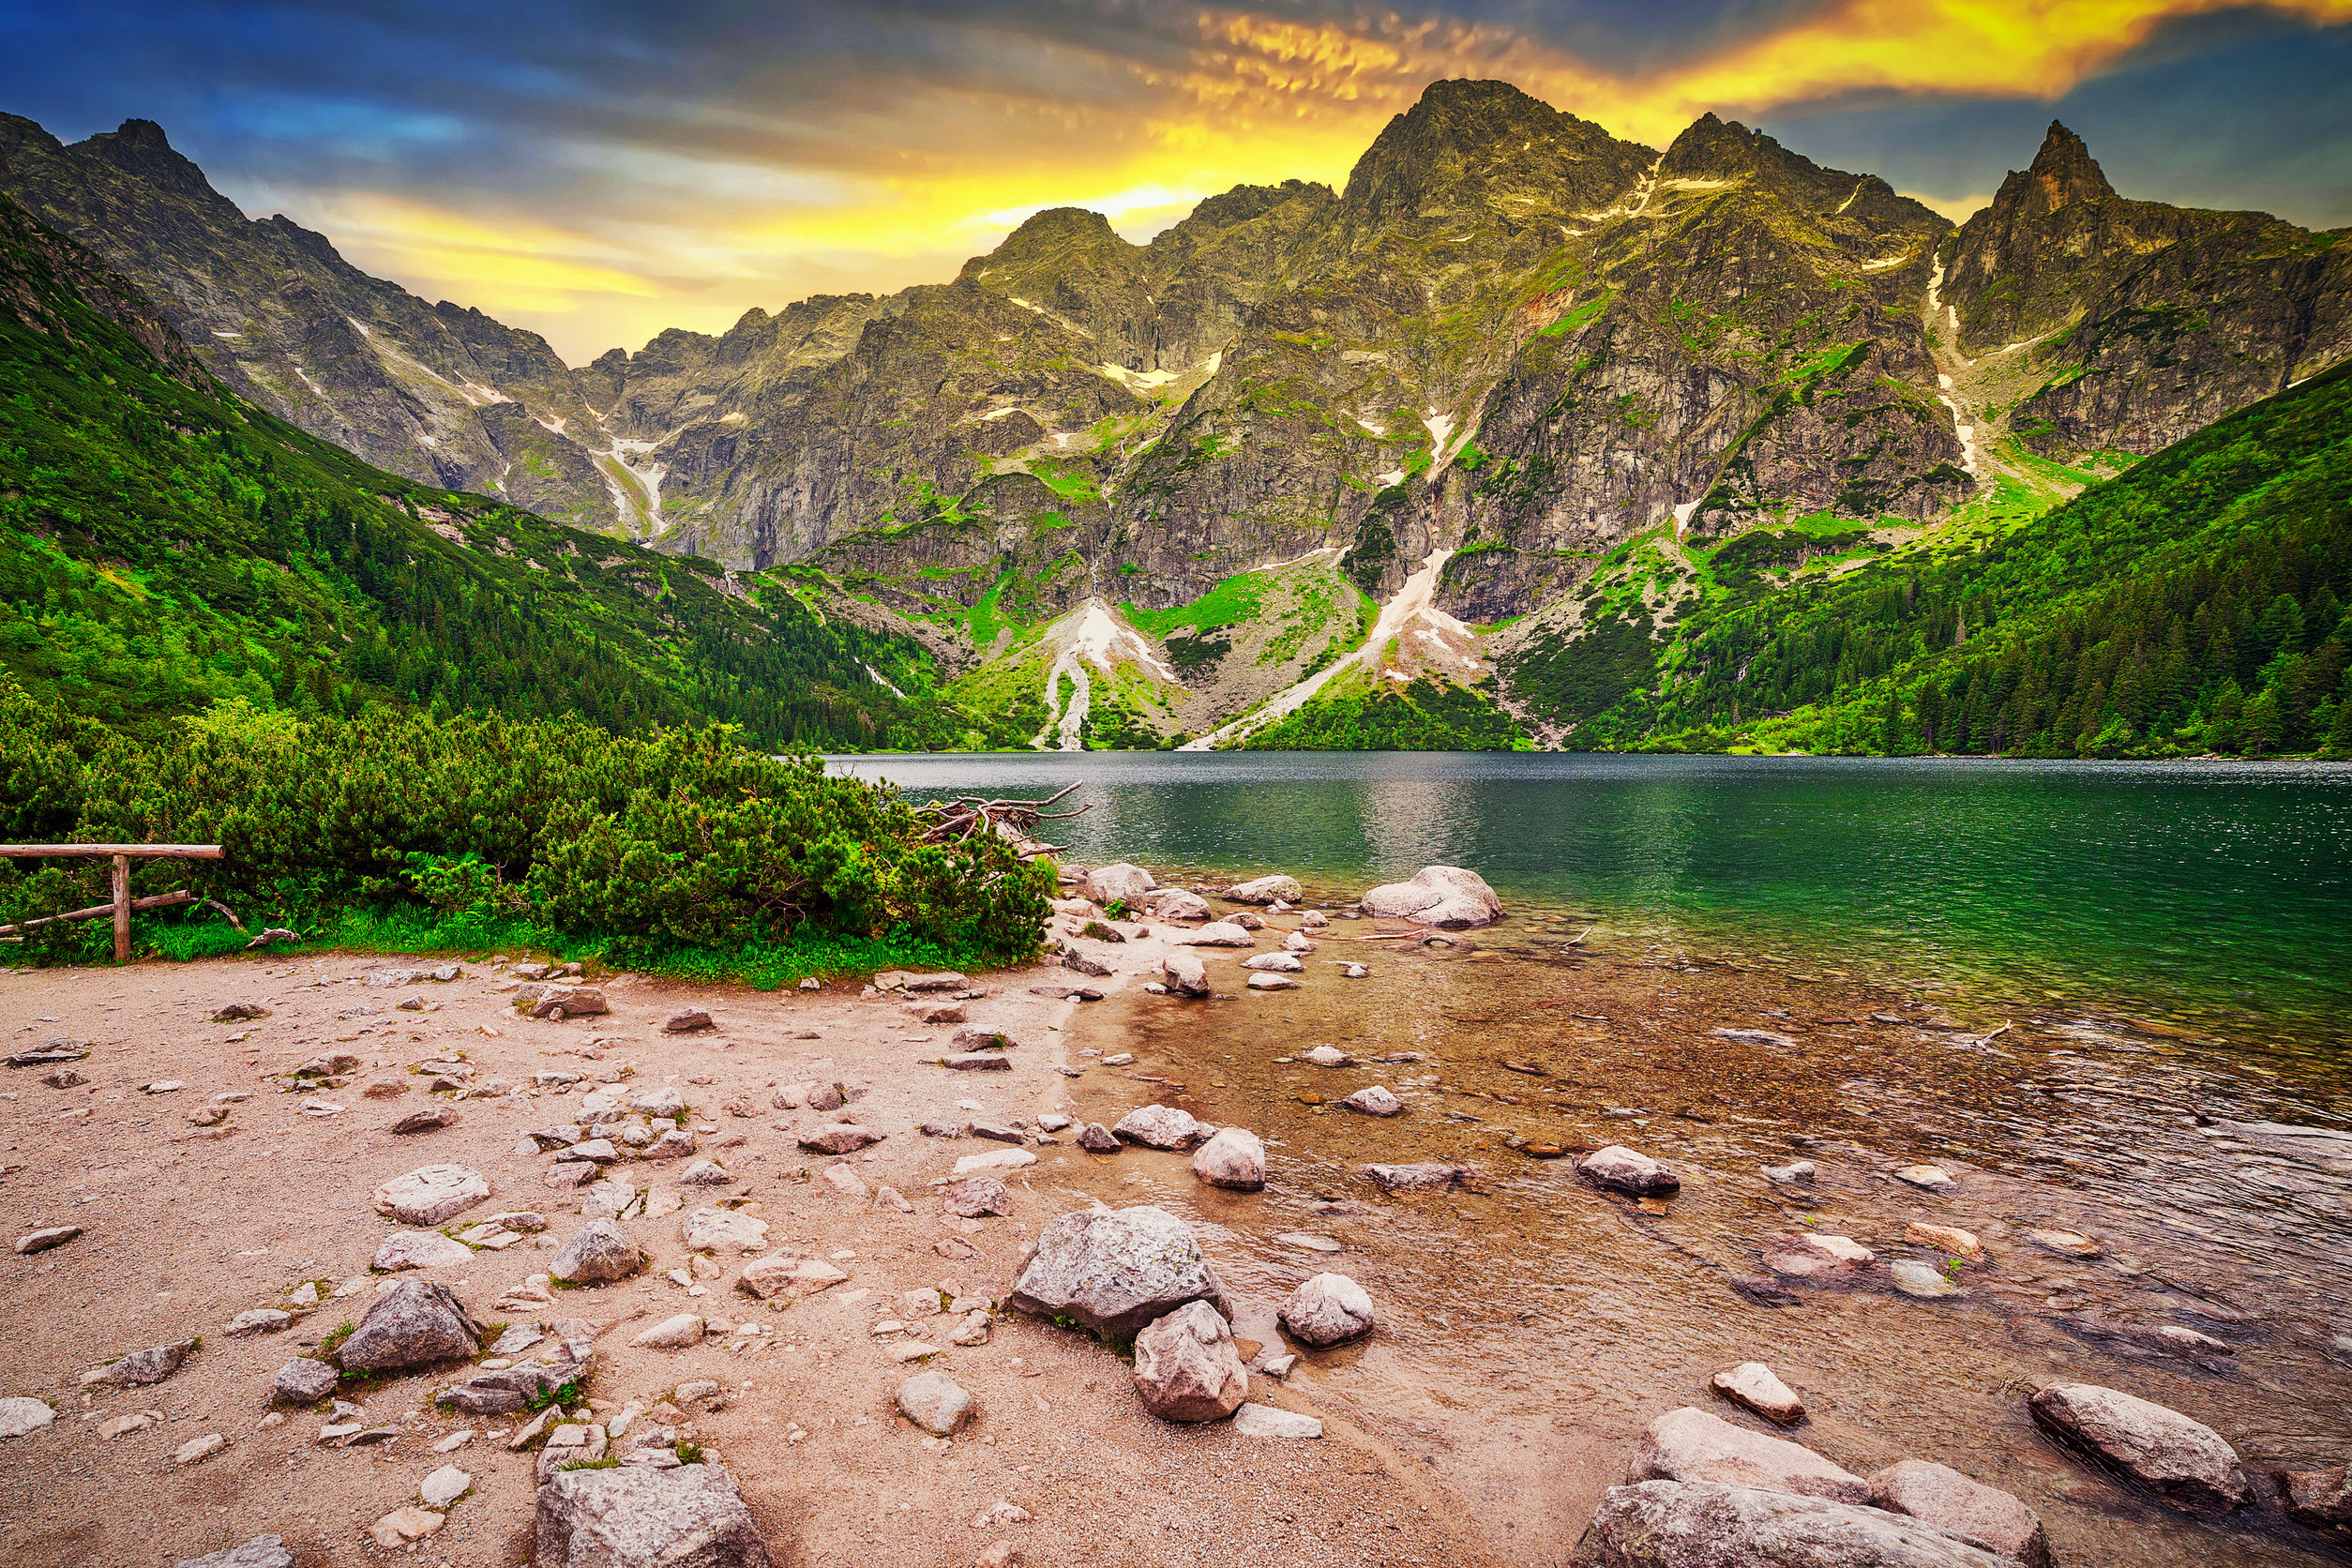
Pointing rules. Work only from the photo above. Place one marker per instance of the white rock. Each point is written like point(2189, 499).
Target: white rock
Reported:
point(1326, 1056)
point(1187, 1368)
point(1219, 933)
point(19, 1416)
point(443, 1486)
point(1753, 1385)
point(1272, 983)
point(420, 1249)
point(198, 1448)
point(1327, 1309)
point(935, 1402)
point(1184, 973)
point(1266, 890)
point(431, 1195)
point(996, 1159)
point(1689, 1444)
point(1234, 1158)
point(1374, 1100)
point(1266, 1421)
point(1273, 963)
point(1444, 895)
point(1120, 883)
point(672, 1334)
point(1158, 1126)
point(724, 1230)
point(2185, 1462)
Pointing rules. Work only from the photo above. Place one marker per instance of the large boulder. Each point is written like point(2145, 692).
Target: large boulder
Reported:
point(1162, 1127)
point(431, 1195)
point(1671, 1524)
point(2182, 1461)
point(1689, 1444)
point(598, 1251)
point(1327, 1309)
point(1628, 1170)
point(1444, 895)
point(1113, 1271)
point(413, 1324)
point(637, 1516)
point(1121, 883)
point(1949, 1501)
point(1187, 1368)
point(1234, 1157)
point(1266, 890)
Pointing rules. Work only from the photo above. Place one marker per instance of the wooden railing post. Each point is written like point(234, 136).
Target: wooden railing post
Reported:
point(122, 909)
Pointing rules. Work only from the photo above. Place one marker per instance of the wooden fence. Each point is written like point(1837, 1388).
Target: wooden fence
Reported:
point(123, 902)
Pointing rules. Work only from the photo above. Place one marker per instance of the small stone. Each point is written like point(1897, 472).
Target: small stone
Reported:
point(686, 1021)
point(1327, 1056)
point(1099, 1139)
point(840, 1138)
point(2321, 1498)
point(723, 1231)
point(1930, 1178)
point(1944, 1238)
point(425, 1120)
point(1234, 1158)
point(1922, 1280)
point(935, 1012)
point(444, 1486)
point(978, 1195)
point(415, 1323)
point(420, 1249)
point(598, 1251)
point(303, 1381)
point(787, 1273)
point(1184, 974)
point(706, 1174)
point(1267, 1421)
point(1422, 1176)
point(1274, 963)
point(1628, 1171)
point(1752, 1385)
point(1374, 1100)
point(973, 1330)
point(841, 1179)
point(672, 1333)
point(996, 1159)
point(1821, 1259)
point(1158, 1127)
point(195, 1449)
point(1327, 1309)
point(41, 1240)
point(1186, 1366)
point(675, 1144)
point(1121, 1059)
point(1271, 983)
point(2071, 1243)
point(1796, 1173)
point(259, 1319)
point(935, 1402)
point(1354, 971)
point(21, 1415)
point(1114, 1271)
point(404, 1524)
point(150, 1366)
point(1753, 1037)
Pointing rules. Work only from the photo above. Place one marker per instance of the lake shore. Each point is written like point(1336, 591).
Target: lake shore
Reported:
point(1530, 1325)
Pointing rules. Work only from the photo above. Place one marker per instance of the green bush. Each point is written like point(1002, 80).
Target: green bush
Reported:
point(676, 841)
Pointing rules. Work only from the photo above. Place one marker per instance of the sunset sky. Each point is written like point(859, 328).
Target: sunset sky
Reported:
point(598, 171)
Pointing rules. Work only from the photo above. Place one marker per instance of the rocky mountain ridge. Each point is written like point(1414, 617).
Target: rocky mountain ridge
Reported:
point(1430, 412)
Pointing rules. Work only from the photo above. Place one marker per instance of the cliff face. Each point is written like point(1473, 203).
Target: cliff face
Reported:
point(433, 392)
point(2146, 321)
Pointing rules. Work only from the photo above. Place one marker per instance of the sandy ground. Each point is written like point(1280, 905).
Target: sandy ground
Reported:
point(183, 1231)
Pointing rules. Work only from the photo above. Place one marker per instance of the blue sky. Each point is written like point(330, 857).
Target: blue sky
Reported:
point(598, 171)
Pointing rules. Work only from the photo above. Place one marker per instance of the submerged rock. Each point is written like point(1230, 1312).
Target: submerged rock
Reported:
point(1374, 1100)
point(2185, 1462)
point(1752, 1385)
point(1421, 1176)
point(1266, 890)
point(1327, 1309)
point(1628, 1171)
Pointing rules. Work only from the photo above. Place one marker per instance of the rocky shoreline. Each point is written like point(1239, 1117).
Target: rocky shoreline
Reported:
point(592, 1269)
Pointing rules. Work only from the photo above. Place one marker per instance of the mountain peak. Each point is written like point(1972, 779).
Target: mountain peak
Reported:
point(1464, 138)
point(2062, 171)
point(140, 149)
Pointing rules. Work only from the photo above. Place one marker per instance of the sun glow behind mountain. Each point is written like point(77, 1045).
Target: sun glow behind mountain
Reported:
point(601, 190)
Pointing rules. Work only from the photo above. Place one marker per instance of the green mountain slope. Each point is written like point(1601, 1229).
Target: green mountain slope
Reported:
point(164, 545)
point(2194, 602)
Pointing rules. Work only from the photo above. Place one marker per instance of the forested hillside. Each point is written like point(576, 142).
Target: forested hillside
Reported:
point(2196, 601)
point(164, 544)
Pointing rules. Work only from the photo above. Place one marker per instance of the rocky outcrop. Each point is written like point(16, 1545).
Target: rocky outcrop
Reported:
point(1113, 1271)
point(1667, 1524)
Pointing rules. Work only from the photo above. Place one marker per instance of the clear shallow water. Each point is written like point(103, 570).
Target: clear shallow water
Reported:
point(2204, 894)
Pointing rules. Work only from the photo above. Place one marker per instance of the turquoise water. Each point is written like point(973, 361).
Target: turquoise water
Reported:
point(2208, 894)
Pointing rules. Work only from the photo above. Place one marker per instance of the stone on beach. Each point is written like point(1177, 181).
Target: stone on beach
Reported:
point(1327, 1309)
point(1673, 1524)
point(935, 1012)
point(1689, 1444)
point(1219, 933)
point(1270, 1421)
point(2185, 1462)
point(1114, 1271)
point(637, 1516)
point(1921, 1280)
point(1273, 963)
point(1158, 1126)
point(420, 1249)
point(672, 1333)
point(1420, 1176)
point(975, 1195)
point(1184, 973)
point(1180, 903)
point(1928, 1178)
point(415, 1323)
point(1234, 1158)
point(141, 1368)
point(1443, 895)
point(1628, 1171)
point(1099, 1139)
point(303, 1381)
point(1946, 1498)
point(1374, 1100)
point(1795, 1173)
point(1120, 883)
point(995, 1159)
point(685, 1022)
point(790, 1274)
point(840, 1138)
point(2321, 1498)
point(935, 1402)
point(20, 1416)
point(1752, 1385)
point(1266, 890)
point(431, 1195)
point(41, 1240)
point(1187, 1368)
point(599, 1251)
point(262, 1551)
point(1753, 1037)
point(723, 1231)
point(1271, 983)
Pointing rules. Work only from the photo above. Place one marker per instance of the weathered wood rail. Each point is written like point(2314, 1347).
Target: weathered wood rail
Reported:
point(123, 903)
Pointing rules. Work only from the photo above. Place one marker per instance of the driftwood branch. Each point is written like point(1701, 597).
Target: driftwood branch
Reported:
point(958, 821)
